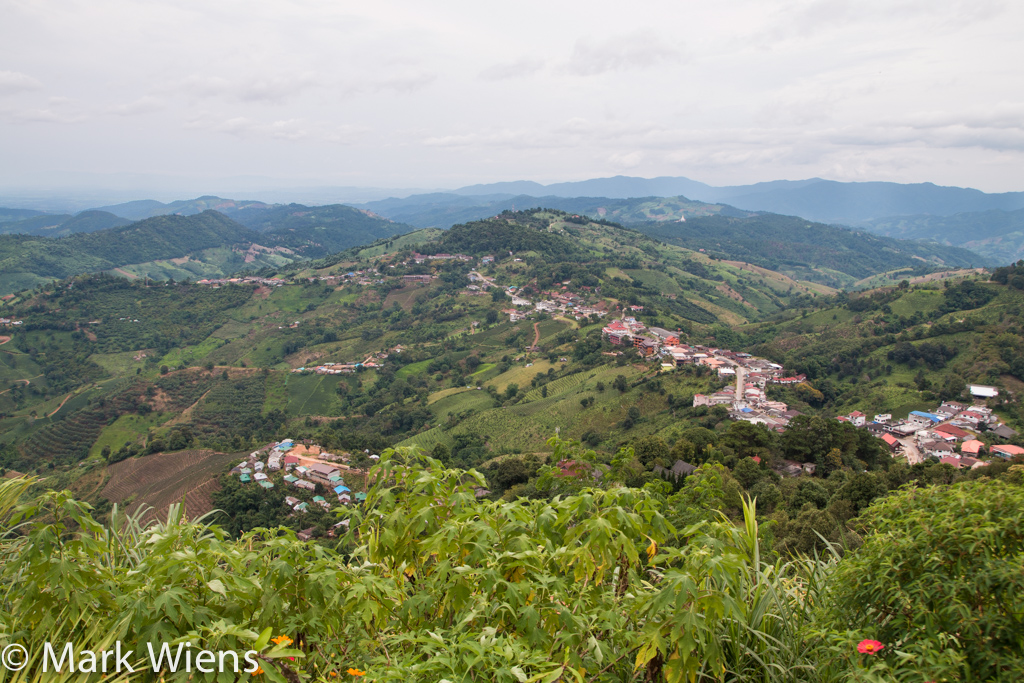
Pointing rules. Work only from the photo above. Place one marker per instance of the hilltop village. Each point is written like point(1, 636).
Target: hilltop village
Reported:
point(949, 433)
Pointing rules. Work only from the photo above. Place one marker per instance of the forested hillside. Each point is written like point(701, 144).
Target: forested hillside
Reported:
point(810, 251)
point(319, 230)
point(997, 235)
point(61, 225)
point(165, 237)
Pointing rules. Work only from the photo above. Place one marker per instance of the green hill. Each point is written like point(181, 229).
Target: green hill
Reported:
point(996, 235)
point(61, 225)
point(24, 257)
point(315, 231)
point(149, 208)
point(8, 215)
point(810, 251)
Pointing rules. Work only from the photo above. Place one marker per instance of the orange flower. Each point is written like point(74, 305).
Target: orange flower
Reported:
point(869, 647)
point(258, 671)
point(334, 674)
point(355, 672)
point(282, 640)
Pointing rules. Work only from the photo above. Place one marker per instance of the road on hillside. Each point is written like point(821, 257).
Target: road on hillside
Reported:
point(910, 450)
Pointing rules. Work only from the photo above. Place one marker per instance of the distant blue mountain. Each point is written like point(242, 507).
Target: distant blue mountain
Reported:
point(815, 199)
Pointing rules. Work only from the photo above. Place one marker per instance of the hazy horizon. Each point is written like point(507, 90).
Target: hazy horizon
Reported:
point(405, 95)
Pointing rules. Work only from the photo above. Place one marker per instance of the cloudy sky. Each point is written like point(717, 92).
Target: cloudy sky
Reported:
point(400, 93)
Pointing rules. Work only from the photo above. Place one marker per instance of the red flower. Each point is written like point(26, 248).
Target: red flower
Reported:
point(869, 647)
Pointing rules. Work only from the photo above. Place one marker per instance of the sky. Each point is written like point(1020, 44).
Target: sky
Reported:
point(208, 96)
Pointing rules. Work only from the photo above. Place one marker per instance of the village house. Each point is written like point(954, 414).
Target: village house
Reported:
point(1006, 450)
point(971, 447)
point(949, 432)
point(679, 470)
point(892, 442)
point(936, 449)
point(666, 337)
point(323, 472)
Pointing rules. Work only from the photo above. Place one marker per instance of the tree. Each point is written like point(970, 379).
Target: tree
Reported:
point(860, 489)
point(620, 384)
point(650, 448)
point(831, 462)
point(491, 317)
point(441, 452)
point(809, 491)
point(804, 535)
point(747, 473)
point(747, 440)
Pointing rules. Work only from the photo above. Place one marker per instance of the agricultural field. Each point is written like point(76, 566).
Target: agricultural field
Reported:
point(417, 368)
point(160, 480)
point(122, 363)
point(313, 395)
point(662, 282)
point(126, 429)
point(456, 403)
point(520, 375)
point(191, 355)
point(445, 393)
point(428, 439)
point(560, 385)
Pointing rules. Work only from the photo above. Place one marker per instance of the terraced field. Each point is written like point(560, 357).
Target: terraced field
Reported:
point(428, 439)
point(520, 375)
point(560, 386)
point(468, 399)
point(157, 481)
point(313, 395)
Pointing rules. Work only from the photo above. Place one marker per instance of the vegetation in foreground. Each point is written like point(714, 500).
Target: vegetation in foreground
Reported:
point(614, 585)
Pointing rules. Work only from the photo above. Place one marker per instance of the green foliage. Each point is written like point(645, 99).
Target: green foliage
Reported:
point(162, 237)
point(939, 583)
point(316, 231)
point(497, 236)
point(804, 249)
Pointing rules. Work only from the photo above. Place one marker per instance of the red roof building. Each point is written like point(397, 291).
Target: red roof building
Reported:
point(971, 447)
point(953, 431)
point(891, 441)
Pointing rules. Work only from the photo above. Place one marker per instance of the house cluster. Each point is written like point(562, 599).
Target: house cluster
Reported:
point(338, 368)
point(8, 321)
point(303, 468)
point(948, 433)
point(423, 258)
point(251, 279)
point(746, 400)
point(557, 302)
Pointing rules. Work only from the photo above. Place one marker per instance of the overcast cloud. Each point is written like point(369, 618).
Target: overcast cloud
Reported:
point(443, 94)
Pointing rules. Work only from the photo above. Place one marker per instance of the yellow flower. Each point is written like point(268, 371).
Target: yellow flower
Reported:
point(355, 672)
point(282, 640)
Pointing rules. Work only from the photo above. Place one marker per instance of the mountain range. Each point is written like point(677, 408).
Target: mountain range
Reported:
point(815, 199)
